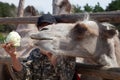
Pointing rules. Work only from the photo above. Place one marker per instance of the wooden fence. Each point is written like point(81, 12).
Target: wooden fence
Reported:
point(93, 70)
point(112, 17)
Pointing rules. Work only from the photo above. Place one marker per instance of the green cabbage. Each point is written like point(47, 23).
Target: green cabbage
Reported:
point(13, 37)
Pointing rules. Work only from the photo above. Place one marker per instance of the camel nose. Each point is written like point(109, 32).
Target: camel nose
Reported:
point(34, 36)
point(42, 29)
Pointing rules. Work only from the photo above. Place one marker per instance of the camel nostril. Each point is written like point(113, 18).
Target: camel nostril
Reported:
point(43, 29)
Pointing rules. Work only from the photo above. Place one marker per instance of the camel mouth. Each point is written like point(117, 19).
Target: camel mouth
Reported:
point(41, 38)
point(37, 37)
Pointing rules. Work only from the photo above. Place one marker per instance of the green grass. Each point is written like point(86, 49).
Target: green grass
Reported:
point(2, 38)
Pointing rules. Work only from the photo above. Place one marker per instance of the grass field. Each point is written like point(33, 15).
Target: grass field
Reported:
point(2, 37)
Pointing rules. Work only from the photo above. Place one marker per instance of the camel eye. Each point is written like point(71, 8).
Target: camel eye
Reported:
point(44, 29)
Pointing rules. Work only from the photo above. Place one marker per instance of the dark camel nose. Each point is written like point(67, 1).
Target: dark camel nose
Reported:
point(43, 29)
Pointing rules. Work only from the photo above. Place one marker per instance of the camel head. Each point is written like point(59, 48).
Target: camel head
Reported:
point(63, 6)
point(83, 38)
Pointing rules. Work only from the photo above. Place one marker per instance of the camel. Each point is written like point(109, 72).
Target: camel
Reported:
point(25, 30)
point(61, 7)
point(97, 43)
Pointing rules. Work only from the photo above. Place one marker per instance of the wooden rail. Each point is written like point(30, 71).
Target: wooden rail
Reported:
point(112, 17)
point(98, 71)
point(86, 69)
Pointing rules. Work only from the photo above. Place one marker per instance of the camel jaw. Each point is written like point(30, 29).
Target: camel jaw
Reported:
point(37, 37)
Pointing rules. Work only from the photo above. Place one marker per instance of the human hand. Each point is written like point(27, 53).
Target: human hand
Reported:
point(10, 49)
point(50, 56)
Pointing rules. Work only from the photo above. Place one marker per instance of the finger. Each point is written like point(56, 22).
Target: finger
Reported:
point(49, 54)
point(5, 46)
point(9, 45)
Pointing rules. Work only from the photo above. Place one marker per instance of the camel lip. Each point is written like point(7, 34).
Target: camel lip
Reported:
point(37, 37)
point(41, 38)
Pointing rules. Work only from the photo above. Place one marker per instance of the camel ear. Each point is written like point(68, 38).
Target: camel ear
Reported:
point(109, 33)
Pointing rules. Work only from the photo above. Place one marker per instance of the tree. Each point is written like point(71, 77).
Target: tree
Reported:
point(54, 7)
point(7, 10)
point(114, 5)
point(77, 9)
point(98, 8)
point(88, 8)
point(13, 10)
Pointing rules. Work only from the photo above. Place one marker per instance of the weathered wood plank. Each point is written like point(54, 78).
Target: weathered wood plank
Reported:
point(87, 69)
point(18, 20)
point(112, 17)
point(96, 70)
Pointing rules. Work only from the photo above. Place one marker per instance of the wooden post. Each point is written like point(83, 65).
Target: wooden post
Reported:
point(21, 8)
point(54, 7)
